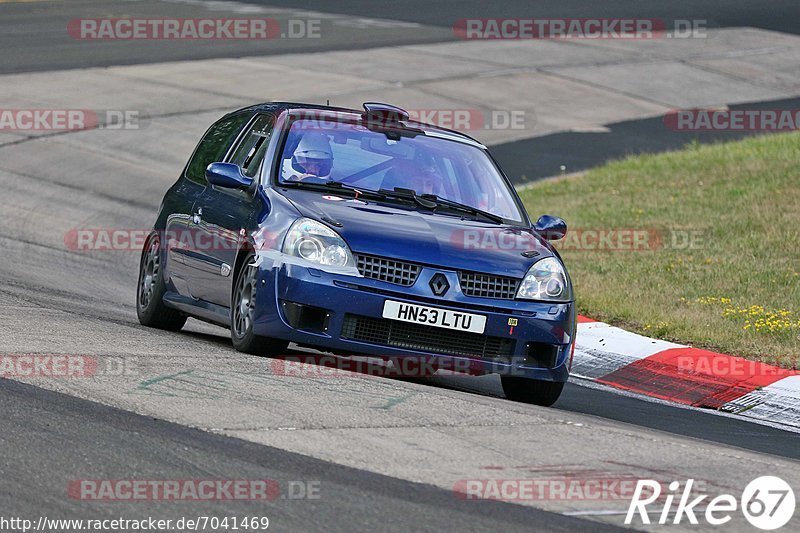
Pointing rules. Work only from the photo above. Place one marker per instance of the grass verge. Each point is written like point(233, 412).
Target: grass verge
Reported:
point(700, 246)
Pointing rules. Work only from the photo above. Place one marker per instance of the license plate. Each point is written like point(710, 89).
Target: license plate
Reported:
point(432, 316)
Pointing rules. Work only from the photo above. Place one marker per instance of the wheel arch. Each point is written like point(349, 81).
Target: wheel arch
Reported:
point(244, 251)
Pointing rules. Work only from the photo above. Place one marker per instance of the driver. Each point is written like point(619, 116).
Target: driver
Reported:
point(313, 158)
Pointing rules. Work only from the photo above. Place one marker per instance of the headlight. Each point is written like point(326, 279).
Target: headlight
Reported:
point(317, 243)
point(546, 281)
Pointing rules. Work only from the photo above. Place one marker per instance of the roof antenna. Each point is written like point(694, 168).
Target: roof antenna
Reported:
point(328, 102)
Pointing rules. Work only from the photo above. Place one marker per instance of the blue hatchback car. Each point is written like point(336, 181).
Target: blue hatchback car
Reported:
point(361, 233)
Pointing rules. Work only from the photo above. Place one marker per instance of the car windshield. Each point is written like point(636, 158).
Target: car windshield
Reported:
point(352, 154)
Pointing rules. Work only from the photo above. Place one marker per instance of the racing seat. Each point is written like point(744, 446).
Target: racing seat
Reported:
point(410, 175)
point(401, 174)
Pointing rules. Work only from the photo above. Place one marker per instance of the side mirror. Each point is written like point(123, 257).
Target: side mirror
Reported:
point(550, 227)
point(227, 175)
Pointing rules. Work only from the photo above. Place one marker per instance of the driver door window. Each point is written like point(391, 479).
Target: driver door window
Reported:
point(213, 146)
point(250, 153)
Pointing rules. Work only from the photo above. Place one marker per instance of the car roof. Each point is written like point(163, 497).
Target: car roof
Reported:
point(326, 111)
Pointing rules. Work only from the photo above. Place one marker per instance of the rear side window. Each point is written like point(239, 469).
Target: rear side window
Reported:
point(250, 152)
point(214, 145)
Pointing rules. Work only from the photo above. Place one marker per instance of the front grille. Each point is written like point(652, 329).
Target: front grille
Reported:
point(389, 270)
point(425, 338)
point(487, 285)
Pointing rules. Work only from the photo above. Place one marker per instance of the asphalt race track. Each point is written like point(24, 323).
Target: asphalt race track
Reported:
point(719, 13)
point(385, 454)
point(33, 36)
point(36, 422)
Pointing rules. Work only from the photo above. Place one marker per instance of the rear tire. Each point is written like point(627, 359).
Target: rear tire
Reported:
point(150, 291)
point(537, 392)
point(243, 307)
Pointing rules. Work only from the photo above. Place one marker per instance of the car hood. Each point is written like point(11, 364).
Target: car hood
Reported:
point(399, 232)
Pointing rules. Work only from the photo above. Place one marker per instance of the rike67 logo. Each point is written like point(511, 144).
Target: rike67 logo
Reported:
point(767, 503)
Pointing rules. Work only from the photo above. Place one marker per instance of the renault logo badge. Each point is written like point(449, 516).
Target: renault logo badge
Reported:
point(439, 284)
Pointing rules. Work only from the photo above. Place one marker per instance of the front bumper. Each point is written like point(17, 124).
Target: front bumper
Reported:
point(523, 330)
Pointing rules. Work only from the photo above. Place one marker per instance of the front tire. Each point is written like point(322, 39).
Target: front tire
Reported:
point(243, 308)
point(537, 392)
point(150, 306)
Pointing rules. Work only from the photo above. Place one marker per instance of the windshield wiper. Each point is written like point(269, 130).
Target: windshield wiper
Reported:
point(456, 206)
point(428, 201)
point(431, 201)
point(359, 192)
point(405, 195)
point(408, 194)
point(336, 186)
